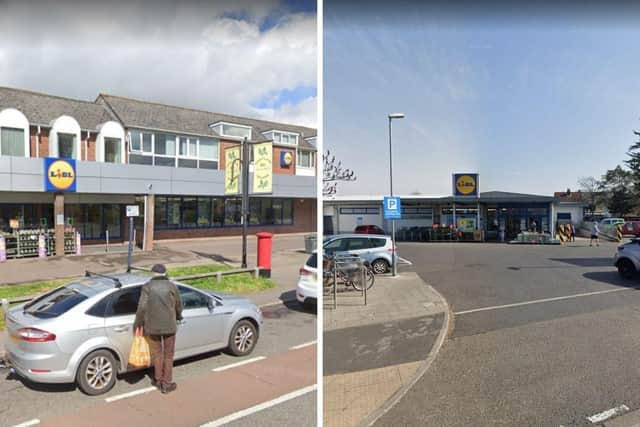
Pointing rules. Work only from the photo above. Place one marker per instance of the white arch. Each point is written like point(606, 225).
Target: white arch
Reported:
point(12, 118)
point(109, 129)
point(63, 124)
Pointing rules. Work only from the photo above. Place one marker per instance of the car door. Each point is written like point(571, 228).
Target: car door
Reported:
point(336, 245)
point(120, 313)
point(359, 246)
point(202, 327)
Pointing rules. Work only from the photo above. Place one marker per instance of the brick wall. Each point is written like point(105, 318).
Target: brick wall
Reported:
point(291, 170)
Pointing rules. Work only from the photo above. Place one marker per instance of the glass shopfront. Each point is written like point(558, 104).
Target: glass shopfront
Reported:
point(93, 220)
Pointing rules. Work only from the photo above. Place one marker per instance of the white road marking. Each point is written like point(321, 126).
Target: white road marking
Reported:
point(260, 407)
point(130, 394)
point(233, 365)
point(299, 346)
point(605, 415)
point(32, 422)
point(538, 301)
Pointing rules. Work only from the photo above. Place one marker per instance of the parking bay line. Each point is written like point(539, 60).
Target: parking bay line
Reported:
point(261, 406)
point(29, 423)
point(609, 413)
point(299, 346)
point(130, 394)
point(538, 301)
point(233, 365)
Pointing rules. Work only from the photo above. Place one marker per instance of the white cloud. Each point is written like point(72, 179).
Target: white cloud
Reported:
point(192, 55)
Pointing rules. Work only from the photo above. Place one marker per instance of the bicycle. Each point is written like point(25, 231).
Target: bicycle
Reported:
point(347, 276)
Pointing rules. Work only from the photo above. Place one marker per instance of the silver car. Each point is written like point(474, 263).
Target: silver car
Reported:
point(376, 249)
point(82, 332)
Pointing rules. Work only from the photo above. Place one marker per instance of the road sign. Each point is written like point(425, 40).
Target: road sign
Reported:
point(392, 209)
point(133, 210)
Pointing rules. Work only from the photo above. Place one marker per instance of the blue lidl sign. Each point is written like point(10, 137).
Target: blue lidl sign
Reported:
point(392, 209)
point(465, 184)
point(59, 174)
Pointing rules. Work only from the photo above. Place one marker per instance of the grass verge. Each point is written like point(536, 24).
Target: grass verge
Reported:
point(234, 284)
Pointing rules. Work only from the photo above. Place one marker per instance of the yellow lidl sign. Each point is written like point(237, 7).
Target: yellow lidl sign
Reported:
point(465, 184)
point(263, 168)
point(59, 174)
point(232, 165)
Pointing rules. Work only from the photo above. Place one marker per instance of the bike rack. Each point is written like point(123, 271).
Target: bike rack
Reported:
point(348, 268)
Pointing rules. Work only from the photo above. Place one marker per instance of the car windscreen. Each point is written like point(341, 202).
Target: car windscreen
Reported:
point(313, 261)
point(55, 303)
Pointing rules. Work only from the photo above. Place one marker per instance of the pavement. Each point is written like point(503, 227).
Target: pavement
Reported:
point(285, 367)
point(543, 336)
point(373, 353)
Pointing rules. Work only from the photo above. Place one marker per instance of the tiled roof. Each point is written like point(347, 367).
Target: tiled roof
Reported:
point(41, 109)
point(572, 197)
point(136, 113)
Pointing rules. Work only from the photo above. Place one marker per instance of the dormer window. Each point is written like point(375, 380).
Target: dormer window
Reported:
point(282, 137)
point(232, 130)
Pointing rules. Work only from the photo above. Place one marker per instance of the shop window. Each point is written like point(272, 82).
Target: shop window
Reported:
point(232, 211)
point(173, 212)
point(189, 214)
point(112, 150)
point(160, 216)
point(277, 211)
point(204, 212)
point(287, 212)
point(12, 142)
point(111, 214)
point(93, 228)
point(266, 212)
point(254, 211)
point(218, 212)
point(67, 145)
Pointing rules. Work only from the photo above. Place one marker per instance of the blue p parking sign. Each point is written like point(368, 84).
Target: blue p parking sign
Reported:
point(392, 209)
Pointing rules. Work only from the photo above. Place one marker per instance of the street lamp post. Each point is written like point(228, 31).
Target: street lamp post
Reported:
point(394, 262)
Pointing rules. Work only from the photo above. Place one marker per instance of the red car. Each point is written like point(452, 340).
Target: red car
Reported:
point(631, 228)
point(368, 229)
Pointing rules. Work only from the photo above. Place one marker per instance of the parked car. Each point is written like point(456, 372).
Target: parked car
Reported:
point(369, 229)
point(611, 221)
point(82, 332)
point(307, 289)
point(631, 228)
point(627, 258)
point(377, 250)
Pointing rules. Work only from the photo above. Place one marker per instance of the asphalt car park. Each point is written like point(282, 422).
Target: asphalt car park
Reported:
point(284, 328)
point(542, 335)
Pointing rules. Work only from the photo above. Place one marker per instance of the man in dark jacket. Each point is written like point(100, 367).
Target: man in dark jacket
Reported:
point(159, 309)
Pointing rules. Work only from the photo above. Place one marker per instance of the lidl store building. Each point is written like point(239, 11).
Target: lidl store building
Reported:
point(423, 216)
point(167, 159)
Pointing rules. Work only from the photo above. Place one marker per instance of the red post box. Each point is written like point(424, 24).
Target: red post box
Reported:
point(264, 253)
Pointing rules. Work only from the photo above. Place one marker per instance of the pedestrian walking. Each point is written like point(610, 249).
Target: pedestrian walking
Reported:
point(534, 226)
point(159, 310)
point(573, 233)
point(595, 231)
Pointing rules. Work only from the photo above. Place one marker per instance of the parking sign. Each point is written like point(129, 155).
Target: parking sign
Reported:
point(392, 209)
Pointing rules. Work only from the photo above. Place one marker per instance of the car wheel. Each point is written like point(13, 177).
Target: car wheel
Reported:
point(380, 266)
point(97, 373)
point(243, 339)
point(626, 268)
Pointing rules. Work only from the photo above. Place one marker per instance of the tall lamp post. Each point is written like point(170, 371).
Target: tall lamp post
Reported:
point(394, 262)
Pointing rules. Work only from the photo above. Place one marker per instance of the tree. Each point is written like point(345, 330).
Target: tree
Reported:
point(333, 172)
point(617, 185)
point(634, 164)
point(591, 189)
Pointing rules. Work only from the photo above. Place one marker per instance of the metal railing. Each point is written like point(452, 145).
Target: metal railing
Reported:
point(345, 270)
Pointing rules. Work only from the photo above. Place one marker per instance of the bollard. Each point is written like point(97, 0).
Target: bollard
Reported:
point(264, 253)
point(335, 284)
point(78, 244)
point(619, 229)
point(42, 248)
point(3, 249)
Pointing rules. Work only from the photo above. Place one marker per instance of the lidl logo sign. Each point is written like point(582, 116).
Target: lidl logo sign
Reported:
point(59, 174)
point(465, 184)
point(286, 159)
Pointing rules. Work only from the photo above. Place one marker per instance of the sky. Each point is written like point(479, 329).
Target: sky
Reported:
point(531, 99)
point(255, 59)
